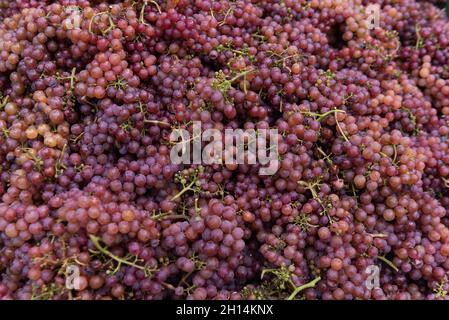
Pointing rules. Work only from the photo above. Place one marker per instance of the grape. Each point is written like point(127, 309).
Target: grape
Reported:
point(87, 179)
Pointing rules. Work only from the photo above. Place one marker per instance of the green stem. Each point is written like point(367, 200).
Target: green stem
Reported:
point(378, 235)
point(3, 102)
point(310, 284)
point(72, 79)
point(104, 250)
point(111, 23)
point(244, 73)
point(142, 12)
point(169, 217)
point(184, 190)
point(388, 262)
point(326, 156)
point(395, 154)
point(321, 116)
point(226, 15)
point(197, 208)
point(158, 8)
point(341, 130)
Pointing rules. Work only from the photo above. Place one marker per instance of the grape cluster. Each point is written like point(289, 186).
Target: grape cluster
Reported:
point(90, 92)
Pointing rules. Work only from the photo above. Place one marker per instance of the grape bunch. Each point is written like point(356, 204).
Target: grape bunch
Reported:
point(91, 91)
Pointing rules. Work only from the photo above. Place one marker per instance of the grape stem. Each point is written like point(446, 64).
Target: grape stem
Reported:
point(111, 23)
point(158, 8)
point(184, 190)
point(166, 216)
point(197, 208)
point(419, 40)
point(96, 242)
point(72, 78)
point(321, 116)
point(326, 156)
point(389, 263)
point(297, 290)
point(223, 22)
point(446, 182)
point(222, 84)
point(184, 279)
point(340, 129)
point(378, 235)
point(142, 12)
point(156, 122)
point(3, 102)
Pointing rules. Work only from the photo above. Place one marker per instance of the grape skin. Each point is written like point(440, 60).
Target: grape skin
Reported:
point(86, 177)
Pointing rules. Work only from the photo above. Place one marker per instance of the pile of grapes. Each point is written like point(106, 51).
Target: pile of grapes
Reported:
point(92, 207)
